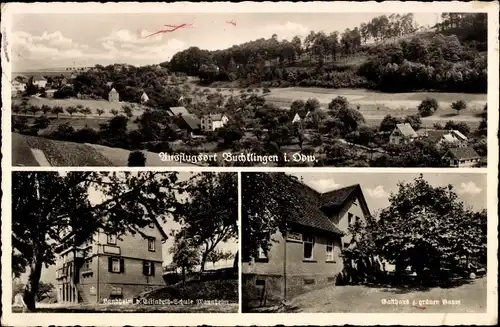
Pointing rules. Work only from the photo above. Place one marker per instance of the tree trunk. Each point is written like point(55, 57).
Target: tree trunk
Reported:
point(33, 281)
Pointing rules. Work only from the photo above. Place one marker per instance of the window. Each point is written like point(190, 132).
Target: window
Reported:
point(349, 218)
point(116, 265)
point(357, 219)
point(308, 247)
point(151, 244)
point(111, 239)
point(329, 251)
point(87, 265)
point(148, 268)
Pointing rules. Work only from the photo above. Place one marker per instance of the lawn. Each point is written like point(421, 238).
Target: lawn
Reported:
point(471, 297)
point(58, 153)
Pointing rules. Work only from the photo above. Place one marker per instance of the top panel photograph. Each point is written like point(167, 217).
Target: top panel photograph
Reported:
point(273, 89)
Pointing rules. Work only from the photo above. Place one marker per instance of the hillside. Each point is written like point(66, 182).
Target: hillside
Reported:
point(388, 54)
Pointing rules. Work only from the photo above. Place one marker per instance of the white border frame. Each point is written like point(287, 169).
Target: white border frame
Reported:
point(138, 319)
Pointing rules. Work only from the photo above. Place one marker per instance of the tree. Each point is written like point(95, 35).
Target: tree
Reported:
point(459, 105)
point(458, 126)
point(114, 112)
point(130, 201)
point(219, 255)
point(389, 123)
point(414, 121)
point(425, 227)
point(34, 110)
point(311, 104)
point(100, 112)
point(210, 214)
point(483, 125)
point(57, 110)
point(427, 107)
point(268, 200)
point(344, 117)
point(297, 105)
point(46, 109)
point(71, 110)
point(185, 254)
point(44, 291)
point(136, 159)
point(128, 111)
point(85, 111)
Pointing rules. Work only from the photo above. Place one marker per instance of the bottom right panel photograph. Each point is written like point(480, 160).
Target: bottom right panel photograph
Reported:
point(364, 242)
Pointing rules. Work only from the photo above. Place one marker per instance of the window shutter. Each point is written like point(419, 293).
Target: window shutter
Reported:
point(110, 264)
point(122, 265)
point(152, 268)
point(144, 268)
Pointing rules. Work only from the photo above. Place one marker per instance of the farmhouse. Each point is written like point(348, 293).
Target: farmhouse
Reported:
point(189, 122)
point(177, 111)
point(442, 137)
point(296, 119)
point(113, 96)
point(402, 134)
point(462, 157)
point(212, 122)
point(308, 256)
point(107, 266)
point(144, 97)
point(40, 81)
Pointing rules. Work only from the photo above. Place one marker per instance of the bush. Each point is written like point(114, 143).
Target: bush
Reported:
point(136, 159)
point(460, 126)
point(459, 105)
point(266, 90)
point(427, 107)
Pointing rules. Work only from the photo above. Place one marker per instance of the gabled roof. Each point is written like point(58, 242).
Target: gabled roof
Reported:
point(465, 153)
point(113, 90)
point(39, 78)
point(406, 130)
point(215, 117)
point(314, 202)
point(435, 135)
point(191, 120)
point(449, 138)
point(179, 111)
point(459, 135)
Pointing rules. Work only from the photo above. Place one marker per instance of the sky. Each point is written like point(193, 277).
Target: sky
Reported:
point(49, 274)
point(42, 41)
point(377, 187)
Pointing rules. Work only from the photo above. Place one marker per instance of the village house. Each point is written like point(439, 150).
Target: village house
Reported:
point(189, 123)
point(108, 266)
point(17, 88)
point(113, 96)
point(309, 255)
point(210, 123)
point(144, 97)
point(462, 157)
point(445, 137)
point(402, 134)
point(40, 81)
point(50, 93)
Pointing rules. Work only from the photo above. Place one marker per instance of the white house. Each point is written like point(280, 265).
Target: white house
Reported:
point(40, 81)
point(213, 122)
point(144, 97)
point(113, 96)
point(296, 119)
point(402, 134)
point(442, 137)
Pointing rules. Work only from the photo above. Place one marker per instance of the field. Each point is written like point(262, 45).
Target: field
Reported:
point(92, 104)
point(376, 105)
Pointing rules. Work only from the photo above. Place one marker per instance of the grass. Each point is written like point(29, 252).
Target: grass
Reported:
point(58, 153)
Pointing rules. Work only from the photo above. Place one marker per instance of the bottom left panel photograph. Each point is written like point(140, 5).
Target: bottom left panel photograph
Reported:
point(124, 241)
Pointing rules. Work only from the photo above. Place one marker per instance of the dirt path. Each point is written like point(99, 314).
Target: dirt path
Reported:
point(467, 298)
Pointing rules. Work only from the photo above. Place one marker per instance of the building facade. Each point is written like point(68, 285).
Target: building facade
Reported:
point(210, 123)
point(462, 157)
point(402, 134)
point(107, 266)
point(113, 95)
point(308, 256)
